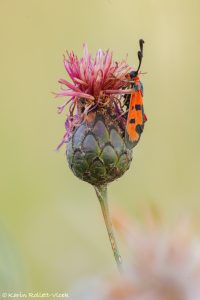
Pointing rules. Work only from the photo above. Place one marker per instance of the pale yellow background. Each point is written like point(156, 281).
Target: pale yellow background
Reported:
point(51, 229)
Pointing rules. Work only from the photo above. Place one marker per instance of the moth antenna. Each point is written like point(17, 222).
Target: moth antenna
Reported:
point(141, 43)
point(140, 55)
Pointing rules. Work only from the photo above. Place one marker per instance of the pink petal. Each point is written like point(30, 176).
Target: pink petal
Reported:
point(120, 92)
point(69, 85)
point(74, 94)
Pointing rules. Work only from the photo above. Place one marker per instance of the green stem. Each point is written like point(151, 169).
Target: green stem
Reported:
point(101, 192)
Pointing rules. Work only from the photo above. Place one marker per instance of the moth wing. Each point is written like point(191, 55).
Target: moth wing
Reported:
point(135, 120)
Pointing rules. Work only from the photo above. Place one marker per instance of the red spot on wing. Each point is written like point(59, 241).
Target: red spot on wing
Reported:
point(145, 118)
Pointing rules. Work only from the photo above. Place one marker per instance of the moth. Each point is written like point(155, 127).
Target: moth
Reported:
point(136, 116)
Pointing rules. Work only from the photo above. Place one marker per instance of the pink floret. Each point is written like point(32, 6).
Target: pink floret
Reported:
point(96, 80)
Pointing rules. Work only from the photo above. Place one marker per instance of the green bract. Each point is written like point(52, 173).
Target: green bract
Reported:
point(96, 152)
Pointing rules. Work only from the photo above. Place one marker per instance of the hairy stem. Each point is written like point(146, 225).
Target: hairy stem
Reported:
point(101, 192)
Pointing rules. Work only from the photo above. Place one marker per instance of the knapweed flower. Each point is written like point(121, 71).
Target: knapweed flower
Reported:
point(98, 96)
point(164, 265)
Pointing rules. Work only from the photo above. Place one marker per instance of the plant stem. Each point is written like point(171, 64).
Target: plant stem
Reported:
point(101, 192)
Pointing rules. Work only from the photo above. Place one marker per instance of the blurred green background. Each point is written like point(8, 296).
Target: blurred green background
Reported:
point(51, 223)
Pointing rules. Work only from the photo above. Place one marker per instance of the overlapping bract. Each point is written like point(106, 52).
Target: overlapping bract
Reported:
point(97, 153)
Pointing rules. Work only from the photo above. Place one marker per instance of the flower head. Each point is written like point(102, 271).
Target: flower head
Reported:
point(96, 82)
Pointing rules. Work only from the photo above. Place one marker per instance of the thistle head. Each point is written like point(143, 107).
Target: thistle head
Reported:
point(97, 116)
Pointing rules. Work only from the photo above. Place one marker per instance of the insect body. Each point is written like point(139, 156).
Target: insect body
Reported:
point(136, 117)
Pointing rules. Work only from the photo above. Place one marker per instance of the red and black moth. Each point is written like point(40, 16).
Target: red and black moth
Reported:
point(136, 116)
